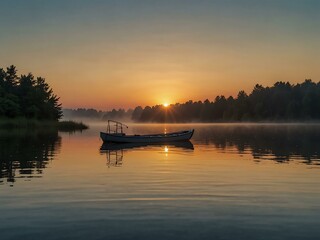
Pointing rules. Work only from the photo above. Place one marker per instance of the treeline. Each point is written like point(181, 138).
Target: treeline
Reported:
point(119, 114)
point(27, 96)
point(281, 102)
point(90, 113)
point(82, 113)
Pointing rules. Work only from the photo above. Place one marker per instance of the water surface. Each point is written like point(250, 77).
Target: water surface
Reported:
point(230, 182)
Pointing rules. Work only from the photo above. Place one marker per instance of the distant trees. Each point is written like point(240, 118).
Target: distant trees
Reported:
point(82, 113)
point(281, 102)
point(120, 114)
point(27, 96)
point(93, 114)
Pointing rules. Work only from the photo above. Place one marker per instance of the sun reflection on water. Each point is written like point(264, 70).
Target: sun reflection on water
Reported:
point(166, 150)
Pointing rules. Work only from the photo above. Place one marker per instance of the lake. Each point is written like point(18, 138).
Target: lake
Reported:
point(232, 181)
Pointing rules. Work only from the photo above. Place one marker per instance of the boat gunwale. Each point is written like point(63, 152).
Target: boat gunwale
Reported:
point(159, 135)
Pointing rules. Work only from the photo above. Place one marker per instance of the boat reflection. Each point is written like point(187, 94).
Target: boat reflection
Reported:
point(123, 146)
point(114, 158)
point(115, 151)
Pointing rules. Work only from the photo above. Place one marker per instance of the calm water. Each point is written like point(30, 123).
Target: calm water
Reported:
point(229, 182)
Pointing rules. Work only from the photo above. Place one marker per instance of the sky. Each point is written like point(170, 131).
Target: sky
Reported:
point(125, 53)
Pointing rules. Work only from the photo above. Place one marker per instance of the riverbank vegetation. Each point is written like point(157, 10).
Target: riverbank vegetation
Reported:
point(27, 96)
point(20, 123)
point(29, 102)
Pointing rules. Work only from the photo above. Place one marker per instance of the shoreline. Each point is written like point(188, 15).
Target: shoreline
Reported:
point(22, 123)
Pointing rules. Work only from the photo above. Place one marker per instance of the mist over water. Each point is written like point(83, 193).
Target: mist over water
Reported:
point(243, 181)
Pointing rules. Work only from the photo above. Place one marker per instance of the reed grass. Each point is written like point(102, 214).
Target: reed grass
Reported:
point(21, 123)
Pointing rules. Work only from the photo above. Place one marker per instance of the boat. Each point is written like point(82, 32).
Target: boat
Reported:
point(115, 134)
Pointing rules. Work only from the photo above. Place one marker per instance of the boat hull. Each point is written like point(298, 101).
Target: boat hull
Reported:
point(154, 138)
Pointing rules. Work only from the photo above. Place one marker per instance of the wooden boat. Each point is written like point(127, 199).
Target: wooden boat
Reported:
point(118, 136)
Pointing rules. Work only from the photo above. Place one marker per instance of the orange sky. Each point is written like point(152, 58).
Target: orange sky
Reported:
point(111, 54)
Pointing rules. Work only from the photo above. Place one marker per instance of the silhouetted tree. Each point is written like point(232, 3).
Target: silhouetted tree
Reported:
point(26, 96)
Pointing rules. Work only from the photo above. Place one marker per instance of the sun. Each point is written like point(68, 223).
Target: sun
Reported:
point(166, 104)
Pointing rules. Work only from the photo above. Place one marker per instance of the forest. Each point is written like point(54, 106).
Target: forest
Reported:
point(281, 102)
point(26, 96)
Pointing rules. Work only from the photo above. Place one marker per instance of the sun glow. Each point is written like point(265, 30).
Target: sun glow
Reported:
point(166, 104)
